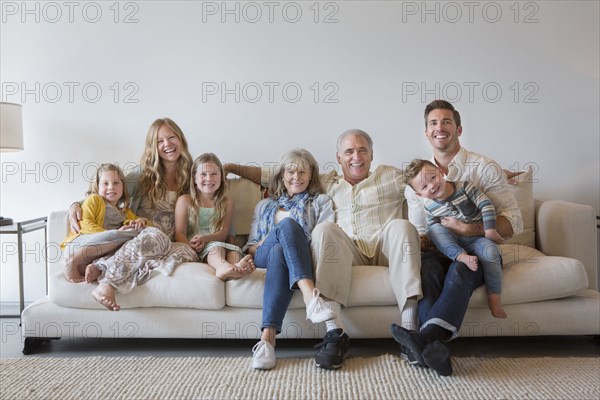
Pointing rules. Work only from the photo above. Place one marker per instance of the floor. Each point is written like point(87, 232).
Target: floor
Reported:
point(11, 346)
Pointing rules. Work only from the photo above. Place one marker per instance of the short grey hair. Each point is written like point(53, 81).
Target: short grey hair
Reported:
point(358, 132)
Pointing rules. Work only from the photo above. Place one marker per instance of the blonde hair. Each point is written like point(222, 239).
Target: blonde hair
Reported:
point(152, 181)
point(123, 202)
point(295, 158)
point(220, 195)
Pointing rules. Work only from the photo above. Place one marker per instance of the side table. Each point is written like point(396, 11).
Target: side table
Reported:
point(20, 228)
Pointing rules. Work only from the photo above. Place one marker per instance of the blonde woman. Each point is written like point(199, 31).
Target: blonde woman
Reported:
point(280, 242)
point(164, 176)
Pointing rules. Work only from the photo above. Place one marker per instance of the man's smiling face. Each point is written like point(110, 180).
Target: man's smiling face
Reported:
point(442, 131)
point(355, 156)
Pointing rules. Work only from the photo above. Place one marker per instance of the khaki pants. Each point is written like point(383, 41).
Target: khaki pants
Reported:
point(398, 248)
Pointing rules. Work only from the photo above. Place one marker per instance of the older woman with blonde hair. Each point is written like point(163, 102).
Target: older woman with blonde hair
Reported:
point(280, 242)
point(164, 176)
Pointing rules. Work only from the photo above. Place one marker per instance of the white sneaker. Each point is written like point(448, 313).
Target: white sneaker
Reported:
point(264, 356)
point(317, 310)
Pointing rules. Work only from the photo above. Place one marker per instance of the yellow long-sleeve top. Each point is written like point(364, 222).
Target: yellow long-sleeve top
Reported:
point(92, 219)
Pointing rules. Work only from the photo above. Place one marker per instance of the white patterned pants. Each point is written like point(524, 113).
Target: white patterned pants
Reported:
point(133, 263)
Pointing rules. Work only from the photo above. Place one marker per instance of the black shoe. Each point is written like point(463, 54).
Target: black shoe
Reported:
point(437, 357)
point(332, 349)
point(409, 341)
point(434, 354)
point(409, 357)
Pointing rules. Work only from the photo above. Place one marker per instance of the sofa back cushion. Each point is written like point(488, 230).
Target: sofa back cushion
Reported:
point(246, 195)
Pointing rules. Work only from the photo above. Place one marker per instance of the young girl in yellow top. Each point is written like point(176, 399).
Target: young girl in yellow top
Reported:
point(106, 219)
point(203, 220)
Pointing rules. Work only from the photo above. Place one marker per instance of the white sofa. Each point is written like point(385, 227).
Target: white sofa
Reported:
point(552, 294)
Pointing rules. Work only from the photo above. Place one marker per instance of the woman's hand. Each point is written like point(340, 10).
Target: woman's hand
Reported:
point(75, 214)
point(138, 224)
point(252, 250)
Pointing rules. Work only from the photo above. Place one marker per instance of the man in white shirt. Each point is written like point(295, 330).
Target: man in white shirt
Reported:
point(446, 291)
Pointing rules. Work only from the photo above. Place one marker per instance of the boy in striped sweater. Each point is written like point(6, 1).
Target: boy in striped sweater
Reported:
point(467, 203)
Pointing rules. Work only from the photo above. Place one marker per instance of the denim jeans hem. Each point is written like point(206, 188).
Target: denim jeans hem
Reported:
point(440, 322)
point(268, 325)
point(296, 279)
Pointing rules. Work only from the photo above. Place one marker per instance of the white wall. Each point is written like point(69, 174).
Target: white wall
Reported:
point(524, 75)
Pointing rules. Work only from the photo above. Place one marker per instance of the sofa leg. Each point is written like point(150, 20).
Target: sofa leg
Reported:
point(32, 343)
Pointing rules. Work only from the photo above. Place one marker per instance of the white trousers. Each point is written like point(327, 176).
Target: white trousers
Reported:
point(398, 248)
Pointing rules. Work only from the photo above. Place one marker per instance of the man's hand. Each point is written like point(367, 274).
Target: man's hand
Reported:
point(244, 171)
point(511, 175)
point(75, 216)
point(229, 168)
point(426, 244)
point(461, 228)
point(494, 236)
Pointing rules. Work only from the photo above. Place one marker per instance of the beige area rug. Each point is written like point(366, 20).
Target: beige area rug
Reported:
point(383, 377)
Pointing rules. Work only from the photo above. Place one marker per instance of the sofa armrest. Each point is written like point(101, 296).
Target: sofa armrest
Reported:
point(568, 230)
point(58, 229)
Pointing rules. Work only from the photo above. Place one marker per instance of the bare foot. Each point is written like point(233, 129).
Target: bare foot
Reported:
point(227, 272)
point(496, 306)
point(499, 312)
point(72, 272)
point(246, 264)
point(105, 295)
point(469, 261)
point(92, 273)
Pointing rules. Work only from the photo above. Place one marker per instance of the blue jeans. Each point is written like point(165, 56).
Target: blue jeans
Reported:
point(446, 291)
point(285, 254)
point(487, 252)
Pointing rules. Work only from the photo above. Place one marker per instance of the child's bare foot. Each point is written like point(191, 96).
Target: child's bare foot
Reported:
point(105, 295)
point(246, 264)
point(92, 273)
point(227, 272)
point(72, 272)
point(468, 260)
point(495, 306)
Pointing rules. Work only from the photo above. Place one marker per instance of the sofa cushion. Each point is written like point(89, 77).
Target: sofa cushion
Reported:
point(523, 192)
point(529, 276)
point(248, 292)
point(192, 285)
point(370, 287)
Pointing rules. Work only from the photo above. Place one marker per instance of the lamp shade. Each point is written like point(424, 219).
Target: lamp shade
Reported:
point(11, 127)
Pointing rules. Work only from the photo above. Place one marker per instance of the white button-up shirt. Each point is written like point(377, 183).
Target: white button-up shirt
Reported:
point(484, 173)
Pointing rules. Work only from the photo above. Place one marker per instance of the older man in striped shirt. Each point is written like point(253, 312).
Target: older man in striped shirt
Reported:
point(368, 230)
